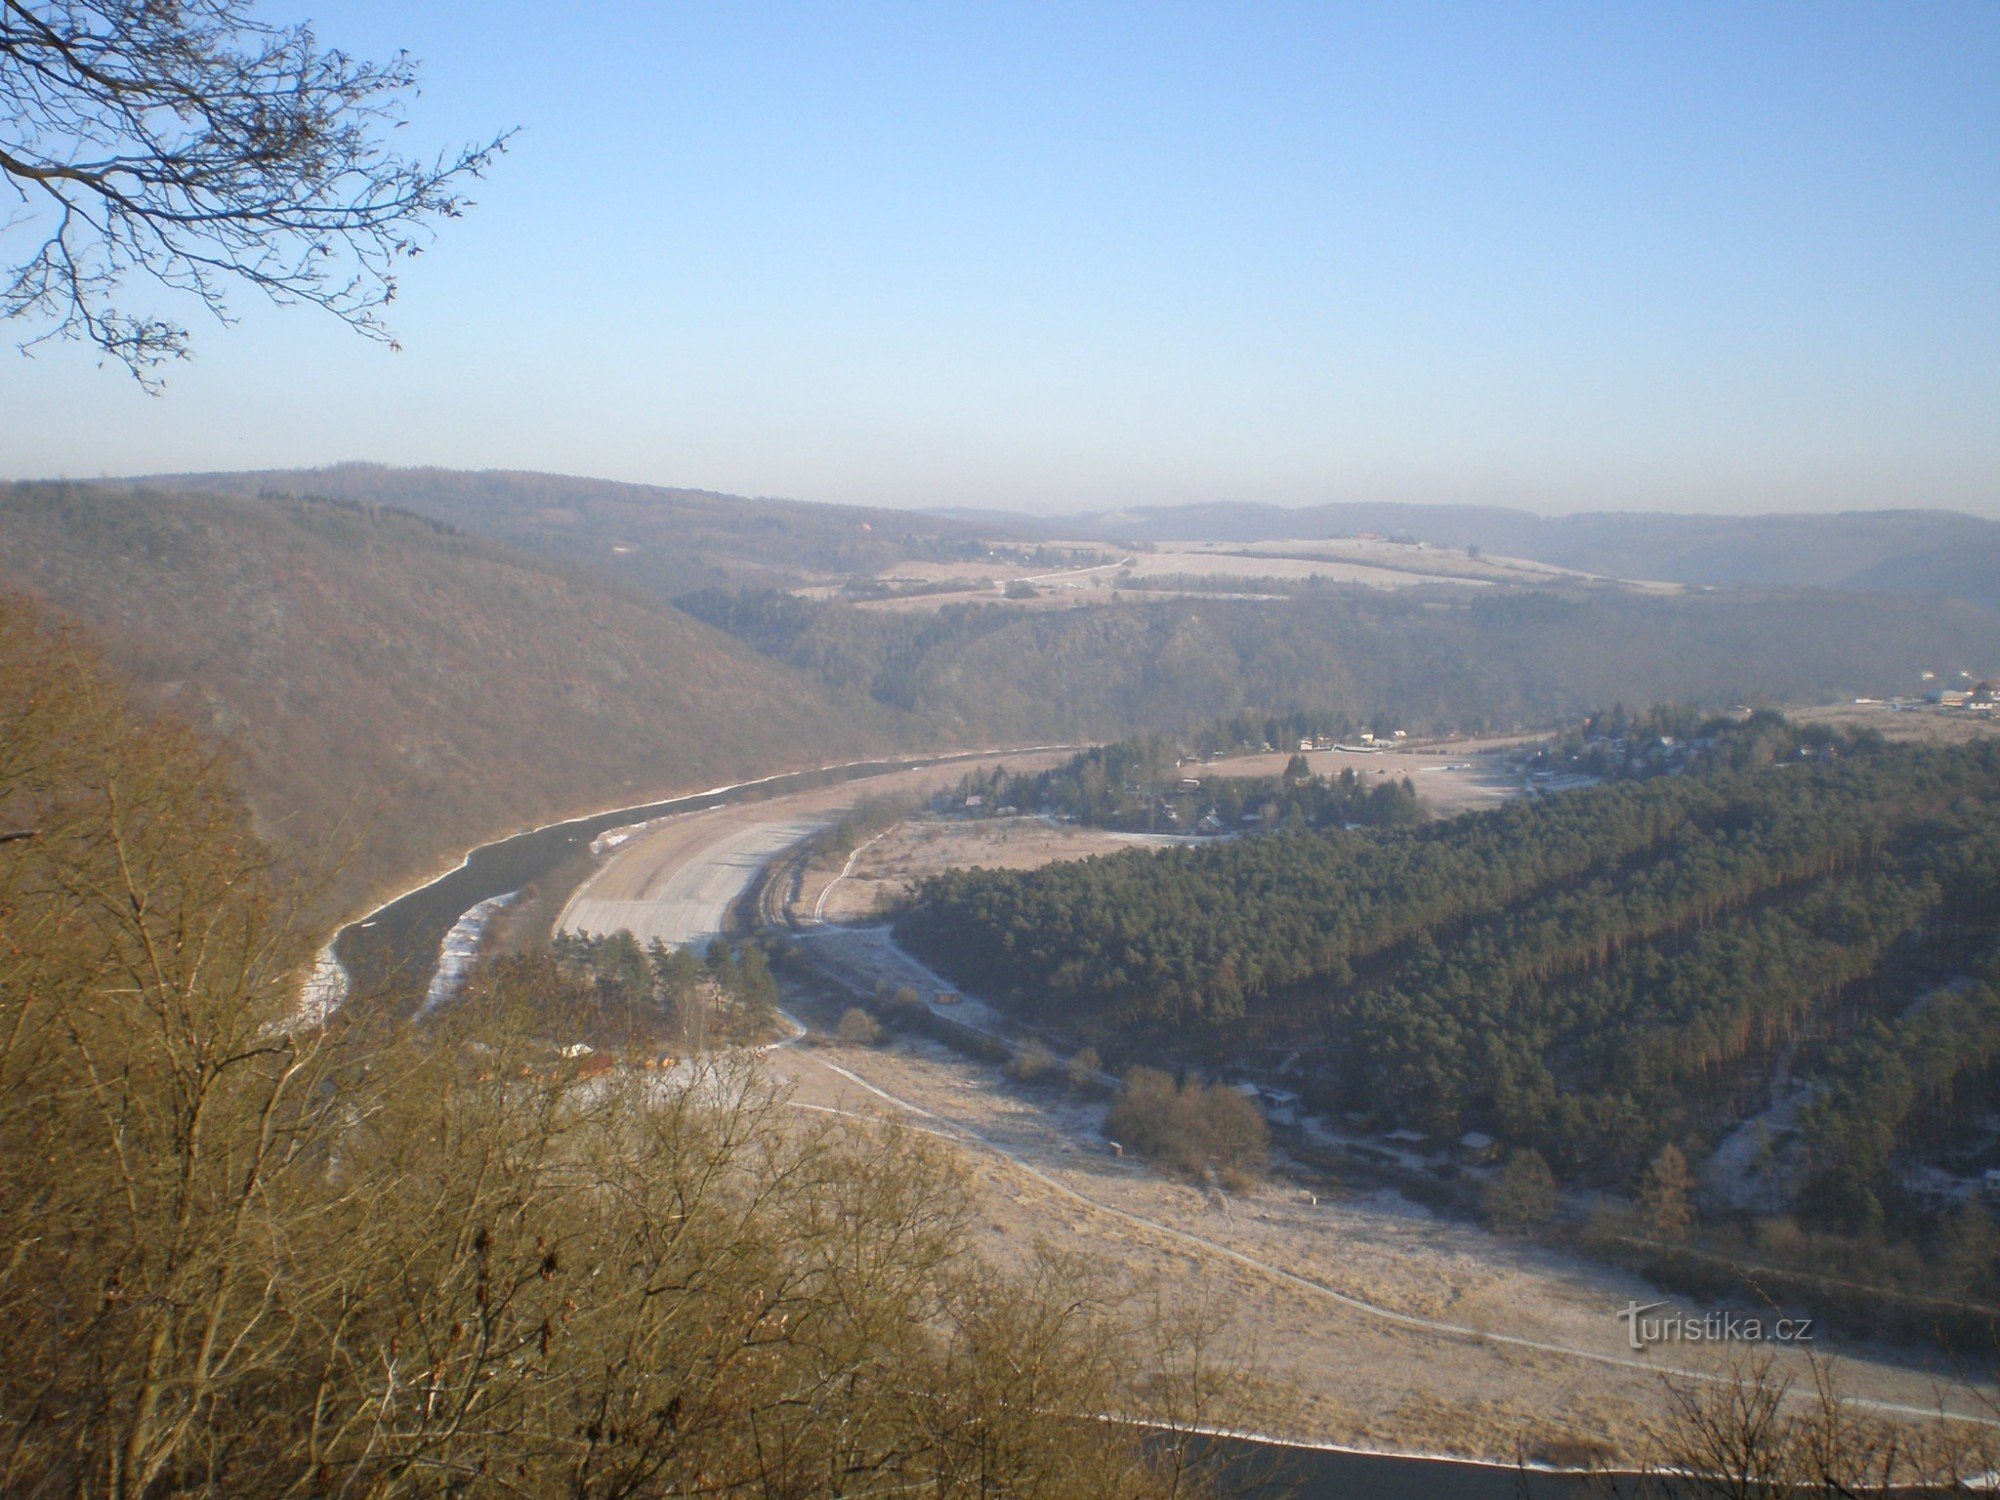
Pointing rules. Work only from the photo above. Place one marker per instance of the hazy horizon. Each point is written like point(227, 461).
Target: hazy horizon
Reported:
point(1046, 513)
point(1691, 259)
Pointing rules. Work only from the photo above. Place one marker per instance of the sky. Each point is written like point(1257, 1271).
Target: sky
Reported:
point(1732, 257)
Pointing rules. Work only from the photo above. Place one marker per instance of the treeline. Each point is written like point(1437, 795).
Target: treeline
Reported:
point(1141, 784)
point(1347, 659)
point(1593, 975)
point(653, 993)
point(1669, 739)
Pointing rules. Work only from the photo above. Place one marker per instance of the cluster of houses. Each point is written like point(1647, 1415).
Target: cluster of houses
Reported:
point(1979, 699)
point(1364, 743)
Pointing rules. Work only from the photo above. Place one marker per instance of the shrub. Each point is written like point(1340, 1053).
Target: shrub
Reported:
point(858, 1029)
point(1190, 1127)
point(1667, 1195)
point(1083, 1069)
point(1033, 1063)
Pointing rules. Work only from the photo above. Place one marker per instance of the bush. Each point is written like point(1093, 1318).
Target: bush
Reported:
point(1190, 1127)
point(1666, 1196)
point(1083, 1069)
point(1033, 1063)
point(858, 1029)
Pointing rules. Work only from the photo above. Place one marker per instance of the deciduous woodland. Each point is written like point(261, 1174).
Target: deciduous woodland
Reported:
point(238, 1256)
point(1594, 974)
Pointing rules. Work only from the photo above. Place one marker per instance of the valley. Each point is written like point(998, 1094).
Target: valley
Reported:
point(1355, 1316)
point(999, 753)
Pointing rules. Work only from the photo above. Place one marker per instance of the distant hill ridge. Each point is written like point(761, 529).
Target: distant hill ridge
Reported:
point(658, 539)
point(667, 540)
point(1916, 552)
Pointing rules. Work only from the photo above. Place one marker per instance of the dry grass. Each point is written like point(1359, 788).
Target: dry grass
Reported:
point(1303, 1364)
point(1346, 560)
point(907, 853)
point(1926, 725)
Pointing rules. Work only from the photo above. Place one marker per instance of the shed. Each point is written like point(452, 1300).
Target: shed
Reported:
point(1476, 1146)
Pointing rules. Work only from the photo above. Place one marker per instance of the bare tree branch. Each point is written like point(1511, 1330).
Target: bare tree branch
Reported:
point(194, 146)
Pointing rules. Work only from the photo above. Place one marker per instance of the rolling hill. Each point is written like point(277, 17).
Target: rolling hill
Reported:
point(668, 541)
point(1916, 553)
point(656, 540)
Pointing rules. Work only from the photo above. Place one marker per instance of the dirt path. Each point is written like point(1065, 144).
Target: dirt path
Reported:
point(1364, 1321)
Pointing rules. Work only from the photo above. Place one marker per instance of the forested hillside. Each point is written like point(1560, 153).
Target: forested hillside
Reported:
point(1431, 659)
point(659, 541)
point(1593, 974)
point(1417, 662)
point(397, 686)
point(245, 1256)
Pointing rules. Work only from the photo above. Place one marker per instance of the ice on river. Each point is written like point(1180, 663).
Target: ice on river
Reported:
point(461, 947)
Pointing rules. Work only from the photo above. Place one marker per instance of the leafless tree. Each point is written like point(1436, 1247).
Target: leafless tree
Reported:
point(188, 143)
point(241, 1255)
point(1752, 1431)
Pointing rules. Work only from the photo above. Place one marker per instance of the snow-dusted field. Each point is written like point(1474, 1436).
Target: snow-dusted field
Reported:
point(688, 903)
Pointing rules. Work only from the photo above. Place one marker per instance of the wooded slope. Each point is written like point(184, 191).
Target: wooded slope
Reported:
point(1594, 973)
point(1418, 663)
point(403, 687)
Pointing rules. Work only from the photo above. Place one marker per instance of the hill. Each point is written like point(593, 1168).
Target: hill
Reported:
point(1922, 553)
point(1411, 660)
point(372, 665)
point(667, 541)
point(659, 541)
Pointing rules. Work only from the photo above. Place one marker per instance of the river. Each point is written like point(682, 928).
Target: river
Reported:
point(398, 946)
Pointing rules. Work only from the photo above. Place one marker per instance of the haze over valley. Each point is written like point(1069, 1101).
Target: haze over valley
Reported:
point(1270, 765)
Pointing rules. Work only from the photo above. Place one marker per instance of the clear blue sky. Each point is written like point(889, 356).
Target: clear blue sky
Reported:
point(1705, 257)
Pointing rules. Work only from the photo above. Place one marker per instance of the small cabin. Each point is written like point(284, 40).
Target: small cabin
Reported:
point(1478, 1148)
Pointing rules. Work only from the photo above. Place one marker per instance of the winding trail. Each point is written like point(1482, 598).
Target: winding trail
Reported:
point(819, 906)
point(945, 1128)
